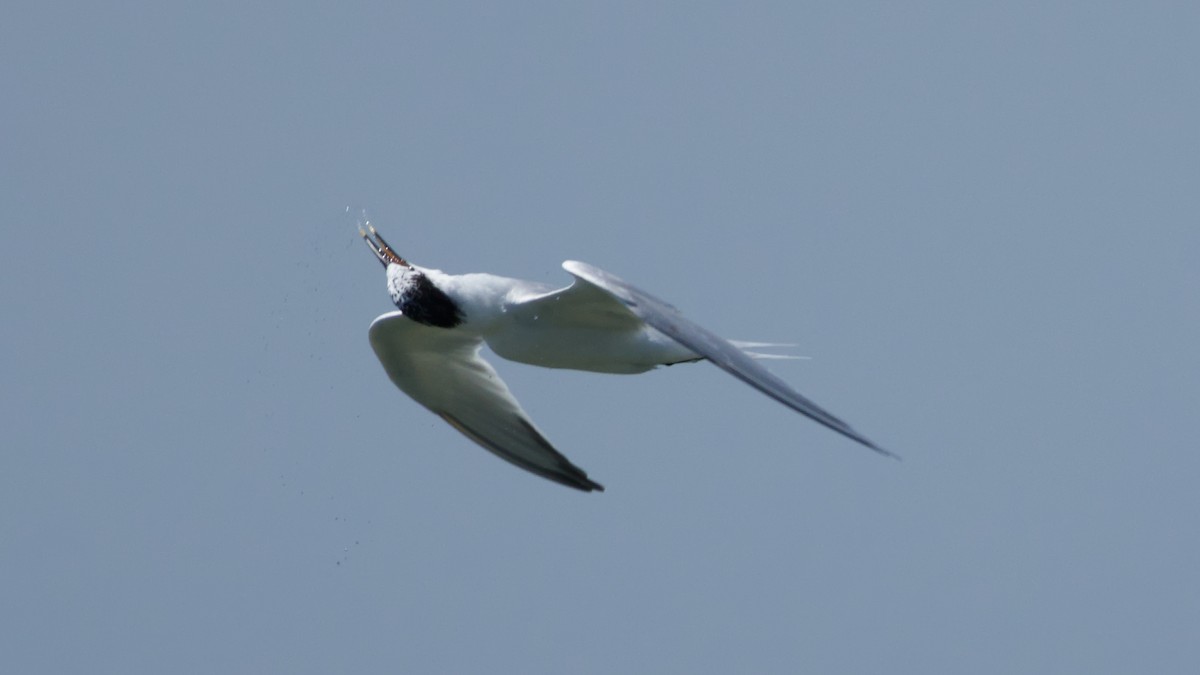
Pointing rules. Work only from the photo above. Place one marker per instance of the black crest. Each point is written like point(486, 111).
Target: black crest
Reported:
point(425, 303)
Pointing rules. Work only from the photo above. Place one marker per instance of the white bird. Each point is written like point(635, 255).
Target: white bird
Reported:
point(430, 349)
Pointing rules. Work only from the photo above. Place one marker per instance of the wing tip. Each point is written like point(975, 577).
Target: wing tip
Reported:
point(589, 485)
point(856, 436)
point(887, 453)
point(561, 471)
point(571, 476)
point(575, 482)
point(883, 451)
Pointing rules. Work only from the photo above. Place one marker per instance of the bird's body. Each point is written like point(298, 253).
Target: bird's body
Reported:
point(430, 349)
point(577, 327)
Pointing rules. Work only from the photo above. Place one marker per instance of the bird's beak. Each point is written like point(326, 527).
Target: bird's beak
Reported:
point(386, 254)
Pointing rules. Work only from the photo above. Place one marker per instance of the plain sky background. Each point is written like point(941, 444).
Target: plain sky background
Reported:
point(982, 220)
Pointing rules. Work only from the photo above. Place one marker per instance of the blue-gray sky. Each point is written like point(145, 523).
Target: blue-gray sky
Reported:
point(981, 221)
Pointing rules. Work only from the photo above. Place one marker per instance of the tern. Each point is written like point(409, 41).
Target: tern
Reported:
point(430, 348)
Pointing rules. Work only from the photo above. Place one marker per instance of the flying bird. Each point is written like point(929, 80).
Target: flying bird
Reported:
point(430, 349)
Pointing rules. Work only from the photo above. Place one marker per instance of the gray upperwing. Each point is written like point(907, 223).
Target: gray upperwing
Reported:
point(665, 318)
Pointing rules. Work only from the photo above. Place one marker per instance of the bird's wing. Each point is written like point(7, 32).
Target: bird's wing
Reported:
point(720, 351)
point(441, 369)
point(582, 304)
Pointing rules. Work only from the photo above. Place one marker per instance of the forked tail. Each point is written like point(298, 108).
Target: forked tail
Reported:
point(749, 348)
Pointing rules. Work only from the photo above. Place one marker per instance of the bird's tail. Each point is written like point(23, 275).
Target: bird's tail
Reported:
point(749, 348)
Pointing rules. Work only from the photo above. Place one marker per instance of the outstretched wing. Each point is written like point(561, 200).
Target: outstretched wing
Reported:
point(441, 369)
point(720, 351)
point(581, 304)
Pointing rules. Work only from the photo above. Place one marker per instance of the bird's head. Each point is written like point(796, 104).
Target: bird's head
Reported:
point(410, 288)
